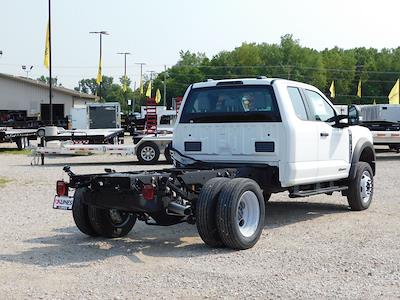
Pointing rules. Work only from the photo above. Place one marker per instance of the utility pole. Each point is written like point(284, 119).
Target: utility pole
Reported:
point(124, 82)
point(124, 54)
point(100, 33)
point(141, 73)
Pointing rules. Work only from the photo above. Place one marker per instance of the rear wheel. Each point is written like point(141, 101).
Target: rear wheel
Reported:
point(148, 153)
point(267, 195)
point(361, 188)
point(111, 223)
point(167, 154)
point(206, 206)
point(240, 213)
point(80, 212)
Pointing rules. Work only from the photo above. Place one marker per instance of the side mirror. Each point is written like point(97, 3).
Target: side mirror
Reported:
point(353, 114)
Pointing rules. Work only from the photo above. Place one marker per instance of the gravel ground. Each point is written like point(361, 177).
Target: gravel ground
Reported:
point(310, 248)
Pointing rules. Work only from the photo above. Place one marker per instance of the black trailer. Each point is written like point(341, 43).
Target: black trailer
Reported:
point(21, 137)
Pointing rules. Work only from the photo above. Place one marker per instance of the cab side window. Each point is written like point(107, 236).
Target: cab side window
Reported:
point(321, 110)
point(298, 104)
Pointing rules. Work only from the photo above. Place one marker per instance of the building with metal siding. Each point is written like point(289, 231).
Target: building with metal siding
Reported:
point(29, 97)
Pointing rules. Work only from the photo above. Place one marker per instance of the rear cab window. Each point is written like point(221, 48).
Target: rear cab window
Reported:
point(224, 104)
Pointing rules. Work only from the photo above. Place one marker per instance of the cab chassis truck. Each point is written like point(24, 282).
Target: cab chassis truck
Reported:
point(235, 142)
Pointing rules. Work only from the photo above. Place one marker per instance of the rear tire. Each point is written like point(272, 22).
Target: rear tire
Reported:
point(361, 188)
point(206, 206)
point(240, 213)
point(167, 154)
point(80, 212)
point(267, 195)
point(148, 153)
point(111, 223)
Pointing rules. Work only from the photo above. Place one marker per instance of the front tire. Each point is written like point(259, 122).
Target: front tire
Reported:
point(240, 213)
point(206, 206)
point(148, 153)
point(111, 223)
point(80, 212)
point(361, 187)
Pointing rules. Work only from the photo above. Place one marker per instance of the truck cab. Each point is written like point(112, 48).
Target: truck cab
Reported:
point(284, 124)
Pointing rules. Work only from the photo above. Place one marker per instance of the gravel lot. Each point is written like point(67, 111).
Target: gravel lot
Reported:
point(310, 248)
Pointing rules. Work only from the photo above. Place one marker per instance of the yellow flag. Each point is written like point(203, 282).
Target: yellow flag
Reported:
point(332, 89)
point(47, 48)
point(141, 86)
point(125, 84)
point(158, 96)
point(148, 91)
point(374, 103)
point(99, 75)
point(359, 89)
point(394, 93)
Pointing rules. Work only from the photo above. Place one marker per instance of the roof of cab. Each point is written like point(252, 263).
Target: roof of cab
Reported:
point(262, 80)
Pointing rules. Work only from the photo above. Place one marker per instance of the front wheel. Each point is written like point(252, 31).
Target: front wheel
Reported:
point(361, 188)
point(111, 223)
point(240, 213)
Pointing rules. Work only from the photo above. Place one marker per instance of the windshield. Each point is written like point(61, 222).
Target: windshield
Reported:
point(231, 104)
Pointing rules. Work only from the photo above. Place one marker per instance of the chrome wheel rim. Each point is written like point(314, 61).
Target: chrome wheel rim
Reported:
point(248, 213)
point(366, 187)
point(148, 153)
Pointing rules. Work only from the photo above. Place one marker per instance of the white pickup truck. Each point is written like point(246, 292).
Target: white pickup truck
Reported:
point(235, 142)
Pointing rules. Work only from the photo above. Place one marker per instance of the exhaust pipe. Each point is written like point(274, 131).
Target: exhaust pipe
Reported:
point(179, 209)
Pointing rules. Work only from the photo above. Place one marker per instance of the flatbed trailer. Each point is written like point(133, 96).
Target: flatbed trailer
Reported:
point(385, 133)
point(21, 137)
point(86, 136)
point(147, 148)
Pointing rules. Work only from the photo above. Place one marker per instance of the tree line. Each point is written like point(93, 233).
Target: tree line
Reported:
point(378, 70)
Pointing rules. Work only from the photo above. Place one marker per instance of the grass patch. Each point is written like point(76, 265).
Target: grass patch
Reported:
point(4, 181)
point(14, 151)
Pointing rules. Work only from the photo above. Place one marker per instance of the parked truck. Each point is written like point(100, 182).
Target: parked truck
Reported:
point(235, 143)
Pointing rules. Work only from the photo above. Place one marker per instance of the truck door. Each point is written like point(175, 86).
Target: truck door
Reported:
point(333, 146)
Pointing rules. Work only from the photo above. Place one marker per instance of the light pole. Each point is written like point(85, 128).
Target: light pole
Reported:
point(124, 83)
point(141, 74)
point(27, 69)
point(124, 54)
point(100, 33)
point(50, 67)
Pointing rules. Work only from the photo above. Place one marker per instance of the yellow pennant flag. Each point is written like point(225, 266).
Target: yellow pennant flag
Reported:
point(141, 86)
point(47, 48)
point(125, 84)
point(158, 96)
point(374, 103)
point(148, 91)
point(332, 89)
point(394, 93)
point(359, 89)
point(99, 78)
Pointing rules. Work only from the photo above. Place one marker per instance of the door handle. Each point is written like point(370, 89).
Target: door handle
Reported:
point(324, 134)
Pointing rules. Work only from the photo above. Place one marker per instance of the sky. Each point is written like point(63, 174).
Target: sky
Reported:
point(155, 31)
